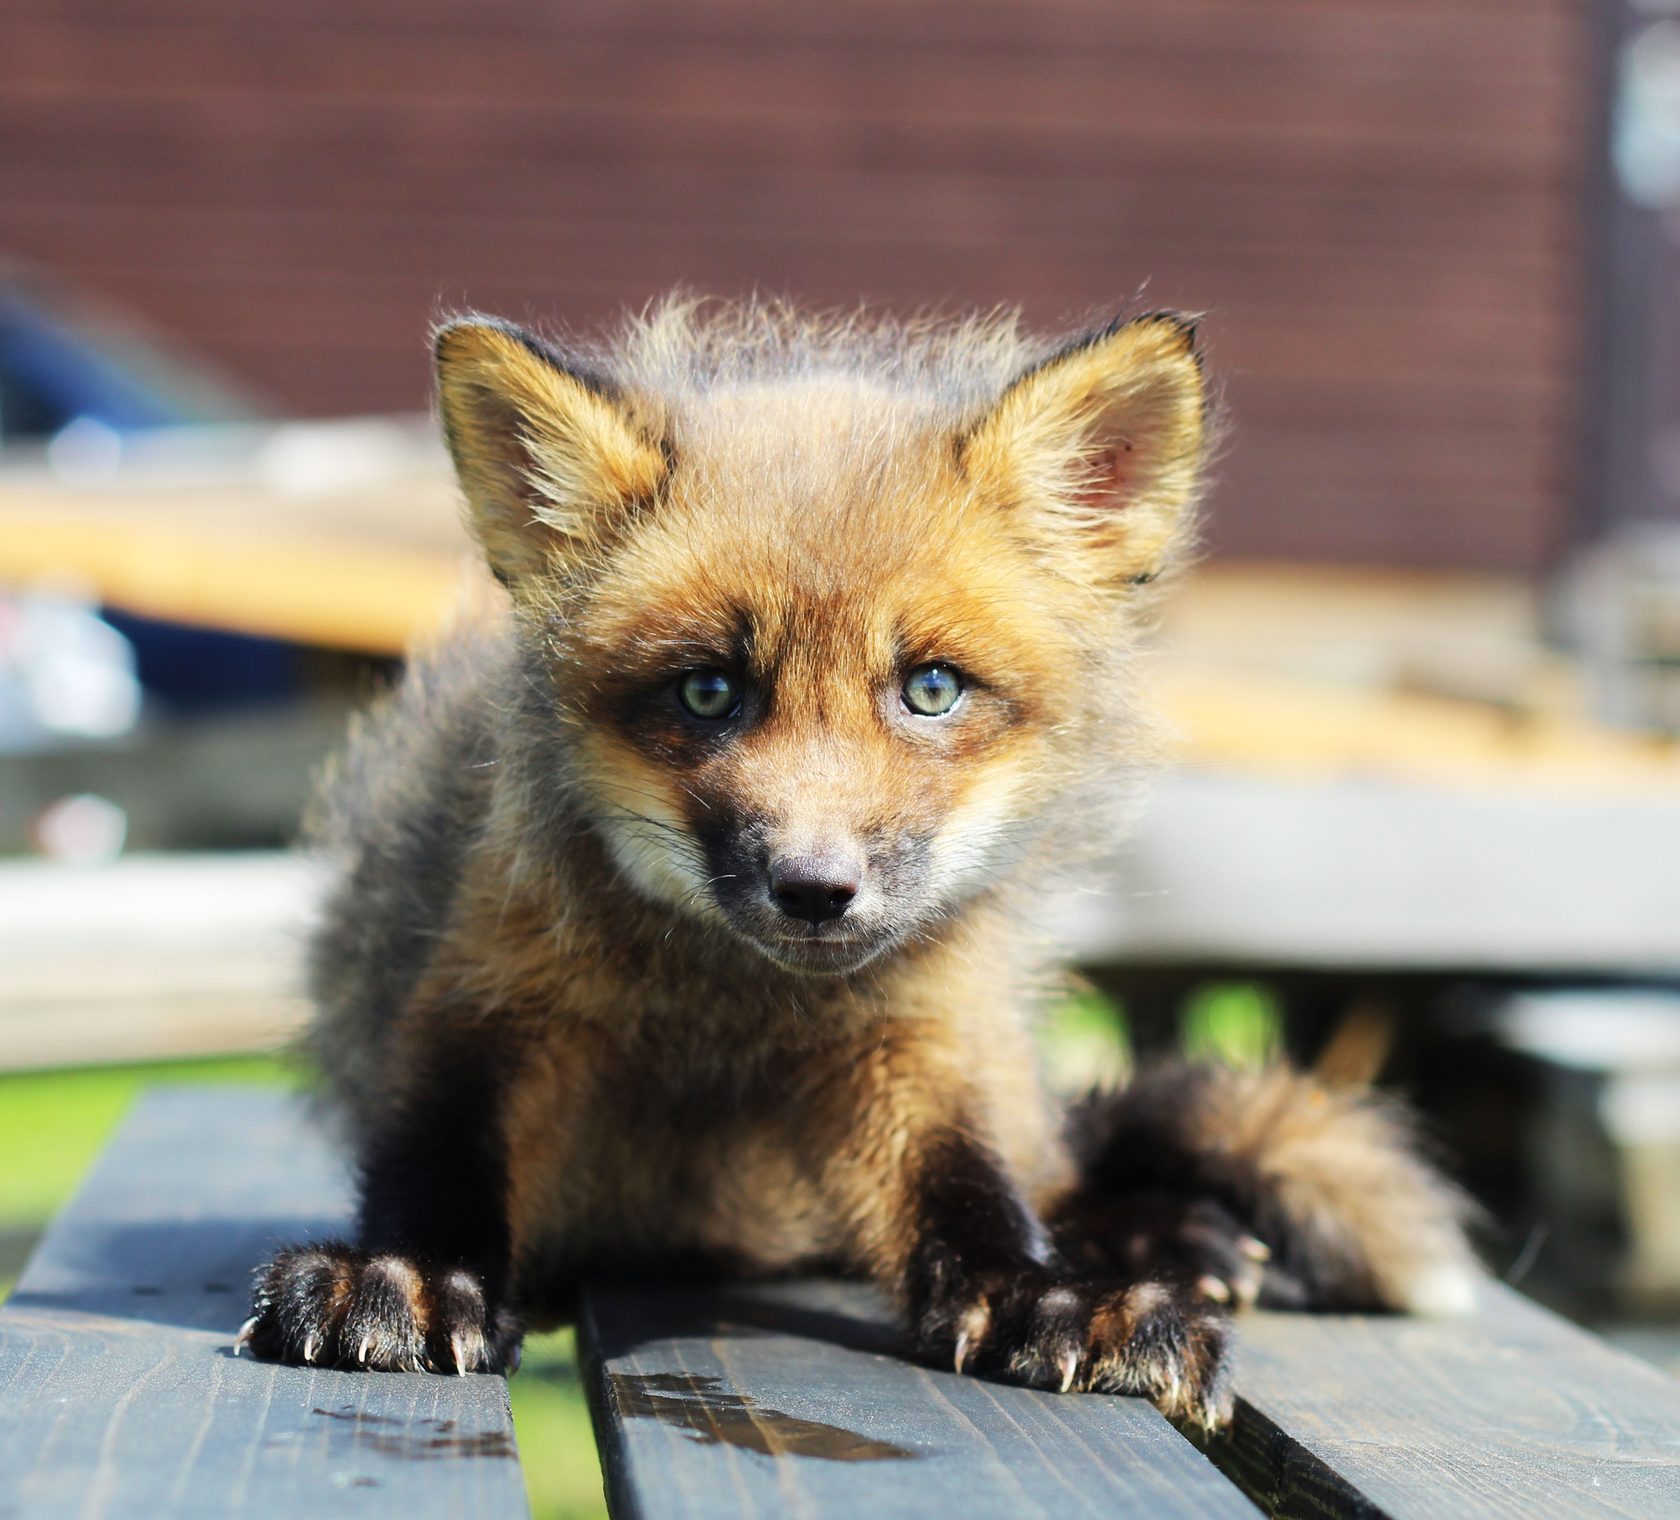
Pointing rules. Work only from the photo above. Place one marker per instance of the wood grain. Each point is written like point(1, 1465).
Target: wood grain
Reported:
point(790, 1399)
point(1508, 1412)
point(119, 1392)
point(119, 1395)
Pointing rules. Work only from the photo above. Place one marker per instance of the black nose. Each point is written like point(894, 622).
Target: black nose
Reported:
point(814, 887)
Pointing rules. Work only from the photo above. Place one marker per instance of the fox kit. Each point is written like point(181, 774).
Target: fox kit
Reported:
point(686, 909)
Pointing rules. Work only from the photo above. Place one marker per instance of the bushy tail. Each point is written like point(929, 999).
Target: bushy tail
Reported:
point(1195, 1166)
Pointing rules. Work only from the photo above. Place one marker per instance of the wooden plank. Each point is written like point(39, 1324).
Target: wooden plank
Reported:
point(1332, 873)
point(790, 1399)
point(343, 596)
point(151, 957)
point(342, 534)
point(120, 1395)
point(1509, 1411)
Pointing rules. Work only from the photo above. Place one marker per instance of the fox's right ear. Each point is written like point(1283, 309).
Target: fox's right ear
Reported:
point(1101, 445)
point(549, 458)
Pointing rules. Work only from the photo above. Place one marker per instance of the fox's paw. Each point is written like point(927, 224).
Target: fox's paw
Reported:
point(334, 1306)
point(1155, 1337)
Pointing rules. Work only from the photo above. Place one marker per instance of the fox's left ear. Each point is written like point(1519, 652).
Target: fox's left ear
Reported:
point(1103, 443)
point(550, 458)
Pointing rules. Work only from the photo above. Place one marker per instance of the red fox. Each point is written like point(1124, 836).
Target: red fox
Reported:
point(688, 912)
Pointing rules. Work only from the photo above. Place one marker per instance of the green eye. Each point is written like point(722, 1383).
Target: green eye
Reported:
point(709, 694)
point(931, 691)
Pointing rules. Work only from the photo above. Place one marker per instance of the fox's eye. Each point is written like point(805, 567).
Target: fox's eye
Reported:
point(932, 690)
point(709, 694)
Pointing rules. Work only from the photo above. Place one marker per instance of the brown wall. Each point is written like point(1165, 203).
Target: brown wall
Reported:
point(1374, 199)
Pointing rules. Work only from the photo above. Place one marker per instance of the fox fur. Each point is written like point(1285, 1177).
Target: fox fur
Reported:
point(613, 979)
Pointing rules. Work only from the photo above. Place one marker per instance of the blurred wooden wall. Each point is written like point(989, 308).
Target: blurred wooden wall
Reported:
point(1374, 199)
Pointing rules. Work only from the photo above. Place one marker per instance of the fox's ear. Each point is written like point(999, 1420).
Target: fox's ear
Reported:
point(1103, 443)
point(549, 457)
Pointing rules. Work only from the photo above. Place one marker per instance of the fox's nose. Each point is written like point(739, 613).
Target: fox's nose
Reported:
point(815, 887)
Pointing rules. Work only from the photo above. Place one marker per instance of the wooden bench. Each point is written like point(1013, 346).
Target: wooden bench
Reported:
point(120, 1397)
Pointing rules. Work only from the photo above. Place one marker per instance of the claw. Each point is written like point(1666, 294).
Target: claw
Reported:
point(1069, 1364)
point(311, 1343)
point(1254, 1248)
point(1214, 1288)
point(246, 1331)
point(975, 1321)
point(461, 1348)
point(514, 1358)
point(363, 1349)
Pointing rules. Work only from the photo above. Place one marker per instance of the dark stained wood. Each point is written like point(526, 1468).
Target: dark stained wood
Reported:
point(788, 1399)
point(1375, 204)
point(119, 1393)
point(1508, 1412)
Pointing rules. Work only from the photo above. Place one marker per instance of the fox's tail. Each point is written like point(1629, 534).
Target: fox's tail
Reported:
point(1266, 1184)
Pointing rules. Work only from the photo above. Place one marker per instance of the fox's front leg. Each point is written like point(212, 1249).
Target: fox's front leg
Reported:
point(983, 1290)
point(424, 1285)
point(939, 1219)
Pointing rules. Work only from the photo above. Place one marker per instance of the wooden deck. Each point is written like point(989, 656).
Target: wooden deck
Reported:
point(792, 1399)
point(1509, 1412)
point(120, 1395)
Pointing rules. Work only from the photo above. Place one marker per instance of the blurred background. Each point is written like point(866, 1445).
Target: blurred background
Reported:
point(1425, 821)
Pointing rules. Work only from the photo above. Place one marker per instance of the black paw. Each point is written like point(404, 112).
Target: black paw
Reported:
point(1193, 1241)
point(1153, 1337)
point(334, 1306)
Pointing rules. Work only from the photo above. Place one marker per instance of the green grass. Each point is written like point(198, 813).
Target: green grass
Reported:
point(562, 1472)
point(1237, 1023)
point(53, 1123)
point(1086, 1043)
